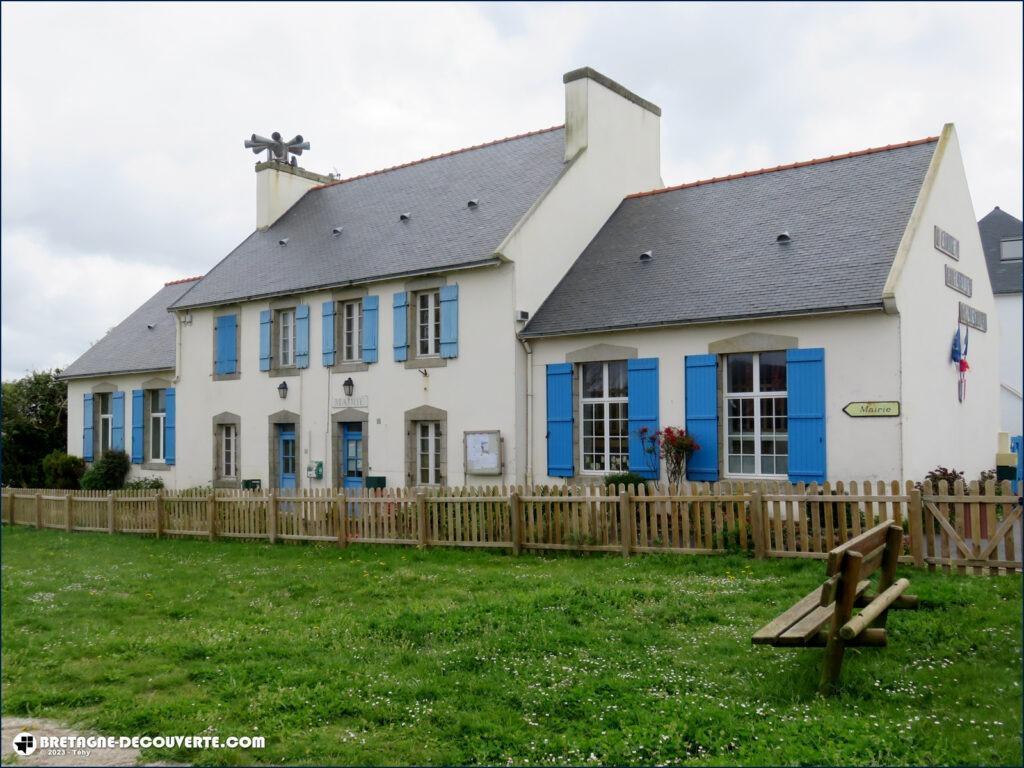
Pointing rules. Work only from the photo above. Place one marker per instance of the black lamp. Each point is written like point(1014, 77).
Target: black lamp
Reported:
point(282, 389)
point(349, 387)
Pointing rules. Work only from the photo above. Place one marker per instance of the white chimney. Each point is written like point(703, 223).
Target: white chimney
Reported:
point(279, 186)
point(602, 115)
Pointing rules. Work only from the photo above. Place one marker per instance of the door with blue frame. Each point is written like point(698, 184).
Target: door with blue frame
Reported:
point(286, 456)
point(352, 455)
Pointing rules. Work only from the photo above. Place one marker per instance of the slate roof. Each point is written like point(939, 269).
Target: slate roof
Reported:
point(131, 345)
point(714, 254)
point(997, 224)
point(505, 177)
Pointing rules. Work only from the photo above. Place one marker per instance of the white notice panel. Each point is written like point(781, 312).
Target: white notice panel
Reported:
point(483, 453)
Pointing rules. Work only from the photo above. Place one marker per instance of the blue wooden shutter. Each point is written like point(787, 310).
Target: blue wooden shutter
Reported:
point(643, 413)
point(370, 313)
point(328, 332)
point(449, 321)
point(401, 320)
point(227, 350)
point(702, 416)
point(302, 336)
point(87, 428)
point(117, 422)
point(805, 383)
point(265, 318)
point(169, 430)
point(138, 426)
point(559, 437)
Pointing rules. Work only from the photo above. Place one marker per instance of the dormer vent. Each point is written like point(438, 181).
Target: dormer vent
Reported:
point(783, 238)
point(474, 203)
point(646, 256)
point(337, 231)
point(405, 217)
point(283, 241)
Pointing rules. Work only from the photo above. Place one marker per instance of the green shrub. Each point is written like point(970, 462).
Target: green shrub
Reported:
point(624, 478)
point(61, 470)
point(107, 474)
point(144, 484)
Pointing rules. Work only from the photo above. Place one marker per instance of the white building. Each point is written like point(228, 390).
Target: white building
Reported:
point(1001, 240)
point(411, 323)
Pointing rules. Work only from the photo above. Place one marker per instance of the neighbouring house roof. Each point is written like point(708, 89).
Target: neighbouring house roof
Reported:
point(133, 345)
point(714, 253)
point(995, 226)
point(505, 177)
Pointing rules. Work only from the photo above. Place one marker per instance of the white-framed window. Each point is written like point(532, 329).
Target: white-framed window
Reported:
point(756, 420)
point(1010, 249)
point(106, 421)
point(352, 330)
point(428, 323)
point(286, 337)
point(228, 453)
point(604, 416)
point(157, 421)
point(428, 453)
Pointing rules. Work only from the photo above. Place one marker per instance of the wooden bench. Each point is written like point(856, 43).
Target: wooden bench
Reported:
point(824, 618)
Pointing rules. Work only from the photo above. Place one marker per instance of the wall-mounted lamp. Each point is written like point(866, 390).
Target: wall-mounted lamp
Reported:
point(282, 389)
point(349, 387)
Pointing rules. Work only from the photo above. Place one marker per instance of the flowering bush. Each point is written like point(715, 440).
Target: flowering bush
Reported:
point(674, 447)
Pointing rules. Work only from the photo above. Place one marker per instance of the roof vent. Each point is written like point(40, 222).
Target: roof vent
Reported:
point(405, 217)
point(283, 241)
point(473, 203)
point(783, 237)
point(337, 231)
point(150, 326)
point(646, 256)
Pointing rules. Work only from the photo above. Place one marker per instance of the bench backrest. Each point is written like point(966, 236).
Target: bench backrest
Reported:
point(860, 557)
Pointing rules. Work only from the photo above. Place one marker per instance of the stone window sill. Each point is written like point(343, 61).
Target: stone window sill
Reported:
point(350, 366)
point(156, 466)
point(426, 362)
point(283, 372)
point(227, 376)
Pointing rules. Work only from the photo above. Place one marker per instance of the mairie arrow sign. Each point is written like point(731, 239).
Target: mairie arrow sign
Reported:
point(873, 408)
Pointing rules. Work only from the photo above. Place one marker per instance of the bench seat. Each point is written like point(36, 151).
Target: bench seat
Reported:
point(801, 623)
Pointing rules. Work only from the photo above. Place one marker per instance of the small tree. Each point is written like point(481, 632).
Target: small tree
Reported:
point(674, 447)
point(108, 473)
point(62, 471)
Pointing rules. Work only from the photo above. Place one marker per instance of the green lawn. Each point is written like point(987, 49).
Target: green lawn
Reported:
point(392, 655)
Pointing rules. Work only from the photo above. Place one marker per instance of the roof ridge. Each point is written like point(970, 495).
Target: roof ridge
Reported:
point(184, 280)
point(786, 167)
point(438, 156)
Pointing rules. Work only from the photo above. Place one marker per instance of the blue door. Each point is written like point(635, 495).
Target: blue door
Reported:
point(286, 454)
point(352, 455)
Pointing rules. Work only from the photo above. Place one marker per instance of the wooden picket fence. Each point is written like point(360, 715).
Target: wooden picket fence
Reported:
point(964, 530)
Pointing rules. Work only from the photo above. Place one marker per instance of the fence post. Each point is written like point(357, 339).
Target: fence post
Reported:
point(110, 513)
point(159, 513)
point(421, 517)
point(211, 515)
point(272, 515)
point(916, 528)
point(10, 507)
point(757, 523)
point(625, 521)
point(515, 513)
point(68, 524)
point(39, 510)
point(340, 513)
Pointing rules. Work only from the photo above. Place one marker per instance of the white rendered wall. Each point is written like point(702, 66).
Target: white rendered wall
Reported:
point(861, 363)
point(1008, 310)
point(476, 389)
point(937, 429)
point(277, 191)
point(77, 388)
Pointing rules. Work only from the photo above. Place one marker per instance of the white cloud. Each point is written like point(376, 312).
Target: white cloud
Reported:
point(122, 124)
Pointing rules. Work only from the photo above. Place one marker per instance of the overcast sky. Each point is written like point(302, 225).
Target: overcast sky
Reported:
point(123, 124)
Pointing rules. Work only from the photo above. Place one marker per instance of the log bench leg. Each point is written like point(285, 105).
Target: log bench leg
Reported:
point(833, 663)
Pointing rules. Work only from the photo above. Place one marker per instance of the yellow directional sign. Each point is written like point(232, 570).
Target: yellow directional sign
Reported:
point(873, 408)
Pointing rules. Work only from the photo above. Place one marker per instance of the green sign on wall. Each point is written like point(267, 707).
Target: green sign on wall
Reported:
point(873, 408)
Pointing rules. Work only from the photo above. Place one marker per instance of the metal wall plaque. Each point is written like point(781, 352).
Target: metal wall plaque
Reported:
point(872, 408)
point(958, 281)
point(973, 317)
point(946, 243)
